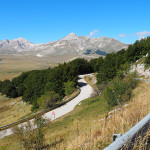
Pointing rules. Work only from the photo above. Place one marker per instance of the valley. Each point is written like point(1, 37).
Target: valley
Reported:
point(75, 75)
point(111, 109)
point(13, 65)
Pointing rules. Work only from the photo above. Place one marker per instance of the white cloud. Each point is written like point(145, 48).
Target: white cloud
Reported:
point(122, 35)
point(93, 32)
point(142, 34)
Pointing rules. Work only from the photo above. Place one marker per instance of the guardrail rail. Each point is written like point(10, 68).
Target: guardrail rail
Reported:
point(127, 140)
point(38, 113)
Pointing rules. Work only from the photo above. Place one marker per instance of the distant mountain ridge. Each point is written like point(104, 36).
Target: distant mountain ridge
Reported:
point(71, 44)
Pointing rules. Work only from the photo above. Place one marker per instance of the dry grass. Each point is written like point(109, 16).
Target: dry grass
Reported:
point(93, 128)
point(97, 133)
point(13, 65)
point(122, 119)
point(143, 142)
point(91, 81)
point(12, 110)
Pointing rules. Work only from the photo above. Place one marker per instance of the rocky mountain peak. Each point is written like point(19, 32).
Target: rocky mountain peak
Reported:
point(71, 44)
point(6, 40)
point(21, 40)
point(70, 36)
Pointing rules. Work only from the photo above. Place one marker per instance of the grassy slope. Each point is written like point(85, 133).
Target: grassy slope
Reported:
point(70, 124)
point(88, 125)
point(12, 110)
point(89, 80)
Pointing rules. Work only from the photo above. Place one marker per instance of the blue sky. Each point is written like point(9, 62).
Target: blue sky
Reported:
point(41, 21)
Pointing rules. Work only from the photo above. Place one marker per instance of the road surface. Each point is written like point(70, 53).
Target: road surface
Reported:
point(85, 92)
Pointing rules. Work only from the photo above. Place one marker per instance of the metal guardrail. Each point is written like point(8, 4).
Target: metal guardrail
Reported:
point(38, 113)
point(128, 140)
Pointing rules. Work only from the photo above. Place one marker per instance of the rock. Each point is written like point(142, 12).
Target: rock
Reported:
point(140, 69)
point(12, 103)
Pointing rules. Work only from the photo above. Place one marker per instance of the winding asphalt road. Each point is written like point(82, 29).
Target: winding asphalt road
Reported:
point(85, 92)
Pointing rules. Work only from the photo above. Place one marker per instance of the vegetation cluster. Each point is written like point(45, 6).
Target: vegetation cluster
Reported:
point(116, 64)
point(119, 91)
point(34, 86)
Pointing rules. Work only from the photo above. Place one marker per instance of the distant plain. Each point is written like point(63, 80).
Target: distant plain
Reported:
point(13, 65)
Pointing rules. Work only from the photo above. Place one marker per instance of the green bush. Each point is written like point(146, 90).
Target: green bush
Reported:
point(69, 87)
point(48, 99)
point(119, 91)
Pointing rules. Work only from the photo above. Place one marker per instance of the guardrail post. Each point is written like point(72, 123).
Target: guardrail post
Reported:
point(115, 136)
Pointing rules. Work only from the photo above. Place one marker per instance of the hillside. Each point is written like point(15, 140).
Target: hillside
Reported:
point(91, 125)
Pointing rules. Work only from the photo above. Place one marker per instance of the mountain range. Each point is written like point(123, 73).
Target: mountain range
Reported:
point(71, 44)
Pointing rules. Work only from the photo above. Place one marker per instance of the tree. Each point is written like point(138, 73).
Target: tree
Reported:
point(110, 96)
point(96, 63)
point(20, 79)
point(21, 89)
point(8, 88)
point(34, 86)
point(48, 99)
point(1, 86)
point(108, 69)
point(81, 66)
point(69, 87)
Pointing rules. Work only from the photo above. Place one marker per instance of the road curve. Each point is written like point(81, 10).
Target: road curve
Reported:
point(85, 92)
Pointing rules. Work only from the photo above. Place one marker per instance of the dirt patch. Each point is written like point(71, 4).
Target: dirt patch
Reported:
point(3, 109)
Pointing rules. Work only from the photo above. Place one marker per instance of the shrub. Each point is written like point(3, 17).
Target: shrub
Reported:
point(119, 91)
point(69, 87)
point(31, 138)
point(48, 99)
